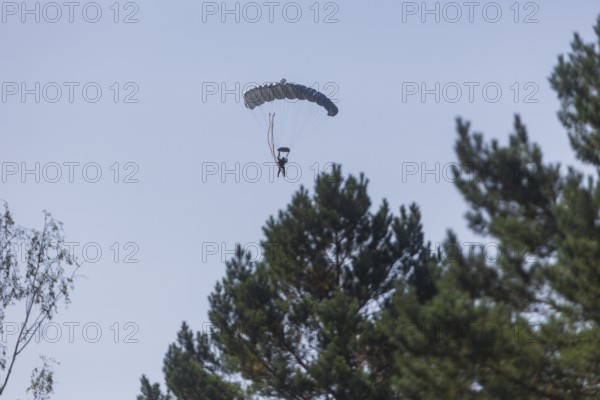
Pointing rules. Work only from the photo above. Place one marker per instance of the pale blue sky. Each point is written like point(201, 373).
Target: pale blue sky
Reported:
point(172, 213)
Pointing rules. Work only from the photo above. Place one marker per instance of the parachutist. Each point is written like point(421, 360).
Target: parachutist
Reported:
point(272, 93)
point(281, 161)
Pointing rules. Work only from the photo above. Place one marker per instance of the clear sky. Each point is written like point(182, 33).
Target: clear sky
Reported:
point(170, 111)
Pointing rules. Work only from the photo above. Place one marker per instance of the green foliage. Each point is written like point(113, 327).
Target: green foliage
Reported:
point(36, 273)
point(350, 302)
point(576, 82)
point(42, 380)
point(151, 391)
point(301, 322)
point(295, 325)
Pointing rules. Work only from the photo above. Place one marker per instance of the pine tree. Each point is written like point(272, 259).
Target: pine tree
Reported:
point(539, 298)
point(300, 324)
point(353, 304)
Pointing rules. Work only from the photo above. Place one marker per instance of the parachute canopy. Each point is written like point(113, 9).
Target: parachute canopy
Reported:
point(283, 90)
point(298, 108)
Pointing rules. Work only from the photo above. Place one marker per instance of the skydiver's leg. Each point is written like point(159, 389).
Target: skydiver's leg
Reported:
point(279, 171)
point(283, 168)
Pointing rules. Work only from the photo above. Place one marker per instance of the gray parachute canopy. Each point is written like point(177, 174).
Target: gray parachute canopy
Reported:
point(283, 90)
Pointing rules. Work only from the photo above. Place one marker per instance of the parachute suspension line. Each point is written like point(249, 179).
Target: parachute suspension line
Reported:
point(270, 136)
point(307, 125)
point(273, 137)
point(297, 110)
